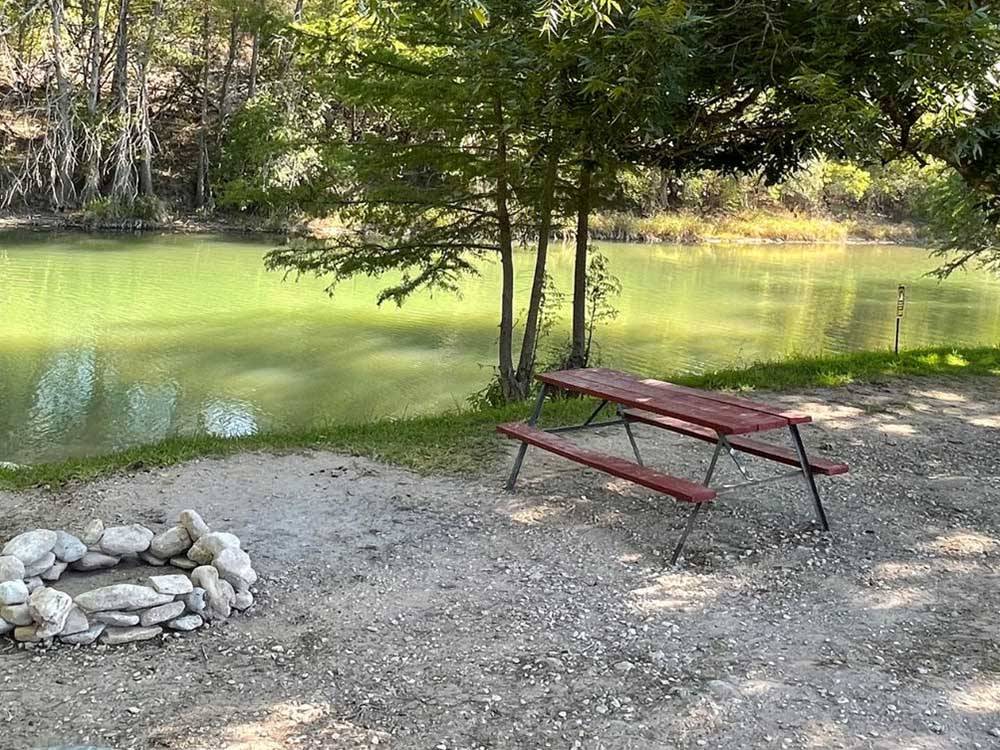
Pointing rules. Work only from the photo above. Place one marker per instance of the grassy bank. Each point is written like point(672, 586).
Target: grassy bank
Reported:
point(464, 443)
point(754, 226)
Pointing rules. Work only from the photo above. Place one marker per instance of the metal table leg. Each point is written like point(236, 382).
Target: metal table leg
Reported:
point(807, 472)
point(519, 459)
point(697, 508)
point(631, 436)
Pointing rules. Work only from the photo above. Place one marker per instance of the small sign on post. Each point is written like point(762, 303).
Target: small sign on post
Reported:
point(900, 304)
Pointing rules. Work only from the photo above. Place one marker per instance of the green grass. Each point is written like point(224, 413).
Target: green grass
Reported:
point(466, 443)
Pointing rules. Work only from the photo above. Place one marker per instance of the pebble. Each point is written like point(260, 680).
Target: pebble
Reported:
point(11, 568)
point(115, 636)
point(172, 584)
point(38, 567)
point(84, 637)
point(30, 546)
point(193, 524)
point(164, 612)
point(121, 596)
point(243, 601)
point(126, 540)
point(208, 546)
point(68, 548)
point(171, 543)
point(13, 592)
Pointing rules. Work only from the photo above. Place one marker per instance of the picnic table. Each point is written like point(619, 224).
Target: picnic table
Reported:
point(708, 416)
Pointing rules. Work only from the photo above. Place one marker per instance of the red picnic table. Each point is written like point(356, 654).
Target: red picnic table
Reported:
point(704, 415)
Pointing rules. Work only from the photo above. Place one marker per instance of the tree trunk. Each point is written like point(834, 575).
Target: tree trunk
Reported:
point(92, 135)
point(142, 125)
point(227, 72)
point(202, 193)
point(578, 350)
point(123, 181)
point(62, 148)
point(508, 380)
point(529, 342)
point(254, 64)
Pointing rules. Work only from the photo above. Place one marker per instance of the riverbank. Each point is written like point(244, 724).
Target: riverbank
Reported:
point(683, 228)
point(408, 611)
point(464, 442)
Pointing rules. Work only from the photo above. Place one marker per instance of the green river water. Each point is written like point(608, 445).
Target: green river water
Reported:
point(110, 341)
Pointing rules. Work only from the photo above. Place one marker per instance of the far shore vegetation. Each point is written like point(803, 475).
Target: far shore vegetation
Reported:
point(465, 442)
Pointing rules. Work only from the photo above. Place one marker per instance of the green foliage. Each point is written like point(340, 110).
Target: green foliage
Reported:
point(106, 210)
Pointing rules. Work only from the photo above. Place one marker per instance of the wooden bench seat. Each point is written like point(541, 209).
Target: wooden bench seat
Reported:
point(753, 447)
point(681, 489)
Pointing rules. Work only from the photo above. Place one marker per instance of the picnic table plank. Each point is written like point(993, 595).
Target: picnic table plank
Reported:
point(682, 489)
point(727, 417)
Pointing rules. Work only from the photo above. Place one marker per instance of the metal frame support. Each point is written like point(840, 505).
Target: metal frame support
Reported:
point(631, 435)
point(519, 459)
point(810, 479)
point(689, 526)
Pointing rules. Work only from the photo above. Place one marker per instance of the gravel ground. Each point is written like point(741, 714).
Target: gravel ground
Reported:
point(411, 612)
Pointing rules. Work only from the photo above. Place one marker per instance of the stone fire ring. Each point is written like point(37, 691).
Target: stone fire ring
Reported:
point(216, 579)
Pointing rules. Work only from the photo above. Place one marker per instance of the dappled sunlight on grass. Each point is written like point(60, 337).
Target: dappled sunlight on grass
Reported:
point(898, 598)
point(897, 429)
point(992, 421)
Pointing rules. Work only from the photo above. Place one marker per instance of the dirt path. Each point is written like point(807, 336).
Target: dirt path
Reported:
point(417, 612)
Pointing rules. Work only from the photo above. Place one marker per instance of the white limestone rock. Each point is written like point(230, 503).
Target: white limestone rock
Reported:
point(84, 637)
point(161, 614)
point(170, 543)
point(116, 619)
point(11, 568)
point(219, 594)
point(13, 592)
point(121, 596)
point(210, 545)
point(175, 584)
point(76, 622)
point(53, 573)
point(195, 601)
point(39, 566)
point(183, 563)
point(68, 548)
point(92, 532)
point(234, 566)
point(5, 627)
point(193, 524)
point(17, 614)
point(27, 634)
point(243, 601)
point(116, 636)
point(187, 623)
point(33, 583)
point(31, 546)
point(151, 559)
point(95, 561)
point(126, 540)
point(49, 609)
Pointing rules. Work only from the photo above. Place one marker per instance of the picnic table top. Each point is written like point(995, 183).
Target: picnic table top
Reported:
point(725, 414)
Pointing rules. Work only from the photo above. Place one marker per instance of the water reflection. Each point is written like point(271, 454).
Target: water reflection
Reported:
point(165, 335)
